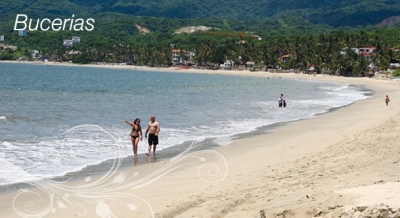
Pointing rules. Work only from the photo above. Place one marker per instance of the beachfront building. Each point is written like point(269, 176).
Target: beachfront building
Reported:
point(190, 55)
point(228, 64)
point(182, 57)
point(366, 51)
point(285, 58)
point(68, 43)
point(1, 38)
point(250, 64)
point(394, 66)
point(175, 56)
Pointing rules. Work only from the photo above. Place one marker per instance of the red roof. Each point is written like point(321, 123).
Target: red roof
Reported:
point(368, 47)
point(365, 53)
point(178, 50)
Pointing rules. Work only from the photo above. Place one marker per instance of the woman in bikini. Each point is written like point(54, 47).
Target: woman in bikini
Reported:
point(136, 129)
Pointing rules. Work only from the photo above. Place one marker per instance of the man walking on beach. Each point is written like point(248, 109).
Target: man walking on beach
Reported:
point(387, 100)
point(153, 129)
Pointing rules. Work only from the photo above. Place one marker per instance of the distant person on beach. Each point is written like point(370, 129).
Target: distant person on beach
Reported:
point(387, 100)
point(136, 130)
point(153, 129)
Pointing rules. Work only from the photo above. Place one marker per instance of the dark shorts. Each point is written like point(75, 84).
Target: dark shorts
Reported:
point(153, 139)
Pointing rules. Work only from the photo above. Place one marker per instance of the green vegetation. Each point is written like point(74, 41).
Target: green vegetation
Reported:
point(396, 73)
point(9, 54)
point(334, 13)
point(323, 51)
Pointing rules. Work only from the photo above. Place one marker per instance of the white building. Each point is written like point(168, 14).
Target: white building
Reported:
point(182, 56)
point(68, 43)
point(228, 64)
point(1, 38)
point(76, 39)
point(344, 50)
point(368, 50)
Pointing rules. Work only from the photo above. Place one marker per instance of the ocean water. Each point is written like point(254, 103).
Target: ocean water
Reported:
point(57, 119)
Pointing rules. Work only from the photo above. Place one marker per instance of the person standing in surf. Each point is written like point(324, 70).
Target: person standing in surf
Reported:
point(153, 129)
point(281, 101)
point(136, 130)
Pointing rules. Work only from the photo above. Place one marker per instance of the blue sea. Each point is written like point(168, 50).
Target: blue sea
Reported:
point(59, 119)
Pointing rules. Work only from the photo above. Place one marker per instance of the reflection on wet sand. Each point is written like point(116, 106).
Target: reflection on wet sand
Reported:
point(150, 159)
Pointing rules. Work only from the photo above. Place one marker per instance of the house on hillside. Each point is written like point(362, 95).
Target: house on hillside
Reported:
point(68, 43)
point(22, 33)
point(76, 39)
point(250, 64)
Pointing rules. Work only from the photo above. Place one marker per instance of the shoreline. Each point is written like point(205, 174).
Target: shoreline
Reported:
point(166, 154)
point(289, 171)
point(289, 74)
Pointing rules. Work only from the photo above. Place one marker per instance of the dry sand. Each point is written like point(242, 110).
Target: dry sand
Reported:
point(340, 164)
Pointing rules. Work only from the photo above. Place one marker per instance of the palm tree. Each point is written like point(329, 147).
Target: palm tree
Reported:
point(361, 66)
point(380, 56)
point(204, 51)
point(269, 55)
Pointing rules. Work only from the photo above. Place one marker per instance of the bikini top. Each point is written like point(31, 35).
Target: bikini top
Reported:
point(134, 130)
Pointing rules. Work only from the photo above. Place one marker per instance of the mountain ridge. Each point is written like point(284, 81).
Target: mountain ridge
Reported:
point(333, 13)
point(390, 21)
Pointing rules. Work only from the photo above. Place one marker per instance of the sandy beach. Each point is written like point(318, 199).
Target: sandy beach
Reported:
point(344, 163)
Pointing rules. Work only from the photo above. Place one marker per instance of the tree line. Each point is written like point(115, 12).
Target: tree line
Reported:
point(321, 50)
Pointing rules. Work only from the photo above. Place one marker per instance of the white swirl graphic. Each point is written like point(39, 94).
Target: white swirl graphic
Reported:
point(103, 192)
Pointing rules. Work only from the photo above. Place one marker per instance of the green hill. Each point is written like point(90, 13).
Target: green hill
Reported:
point(334, 13)
point(116, 19)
